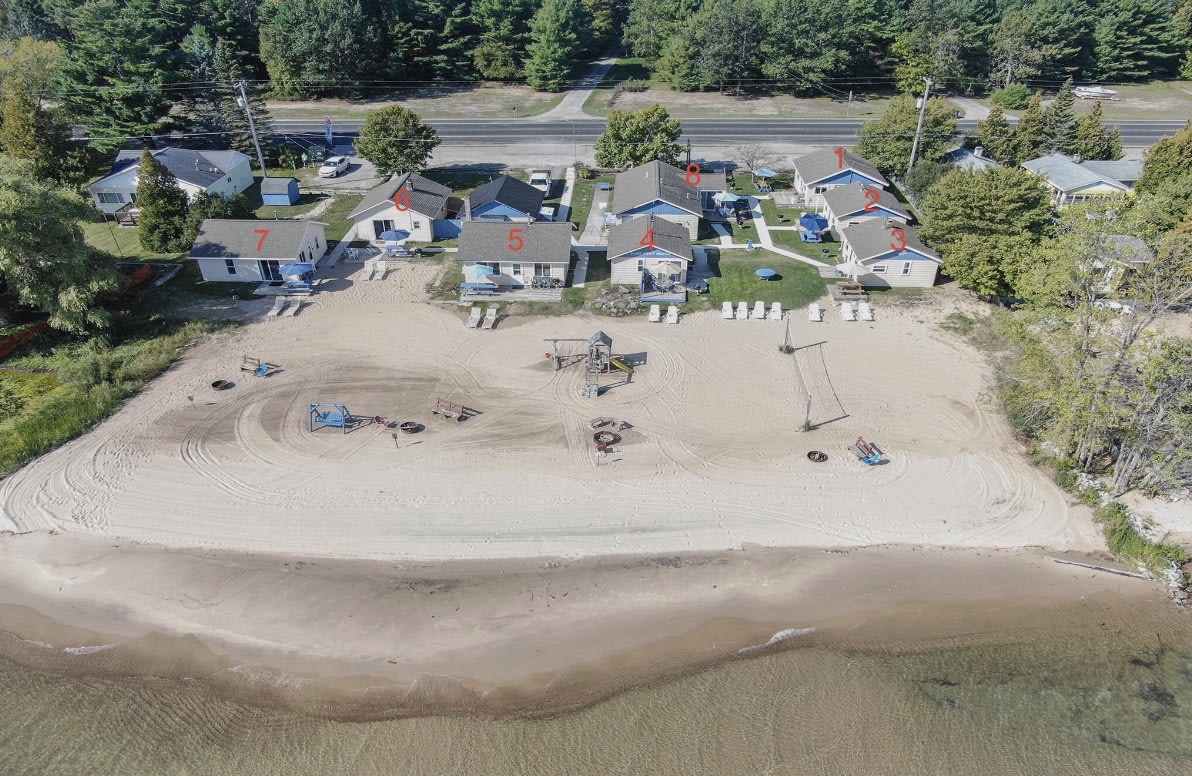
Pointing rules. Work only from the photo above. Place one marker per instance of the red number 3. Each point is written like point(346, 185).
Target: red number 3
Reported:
point(516, 241)
point(899, 235)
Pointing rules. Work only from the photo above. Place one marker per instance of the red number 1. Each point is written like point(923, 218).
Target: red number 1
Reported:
point(648, 240)
point(899, 238)
point(264, 233)
point(871, 198)
point(839, 150)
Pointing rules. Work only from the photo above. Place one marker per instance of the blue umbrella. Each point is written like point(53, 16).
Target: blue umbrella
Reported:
point(394, 235)
point(765, 273)
point(479, 270)
point(765, 172)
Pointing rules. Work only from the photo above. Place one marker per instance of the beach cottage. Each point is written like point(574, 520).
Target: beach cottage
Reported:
point(504, 199)
point(821, 171)
point(406, 202)
point(226, 173)
point(857, 202)
point(241, 251)
point(885, 253)
point(652, 254)
point(504, 256)
point(1071, 179)
point(656, 189)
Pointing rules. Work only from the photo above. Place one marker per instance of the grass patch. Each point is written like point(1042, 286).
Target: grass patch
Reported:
point(465, 180)
point(87, 382)
point(959, 323)
point(1128, 544)
point(336, 217)
point(581, 198)
point(190, 282)
point(121, 242)
point(789, 239)
point(797, 285)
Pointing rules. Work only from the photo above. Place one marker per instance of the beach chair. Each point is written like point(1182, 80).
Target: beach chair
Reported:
point(672, 314)
point(742, 310)
point(655, 314)
point(381, 268)
point(490, 317)
point(726, 311)
point(369, 267)
point(279, 302)
point(847, 313)
point(865, 311)
point(814, 313)
point(473, 319)
point(759, 310)
point(776, 311)
point(292, 307)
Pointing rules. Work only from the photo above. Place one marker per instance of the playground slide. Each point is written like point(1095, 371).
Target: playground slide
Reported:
point(619, 364)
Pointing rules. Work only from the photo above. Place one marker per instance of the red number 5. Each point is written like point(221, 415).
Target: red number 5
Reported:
point(261, 242)
point(899, 235)
point(516, 241)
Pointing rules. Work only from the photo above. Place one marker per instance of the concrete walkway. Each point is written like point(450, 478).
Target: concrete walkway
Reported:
point(572, 104)
point(764, 240)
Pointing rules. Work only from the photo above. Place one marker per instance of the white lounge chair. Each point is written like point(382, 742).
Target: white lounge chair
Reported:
point(847, 313)
point(382, 268)
point(473, 319)
point(292, 307)
point(279, 302)
point(655, 314)
point(814, 313)
point(490, 317)
point(370, 266)
point(776, 311)
point(742, 310)
point(672, 314)
point(759, 310)
point(865, 311)
point(726, 311)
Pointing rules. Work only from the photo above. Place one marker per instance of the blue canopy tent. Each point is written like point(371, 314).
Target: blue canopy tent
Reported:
point(811, 227)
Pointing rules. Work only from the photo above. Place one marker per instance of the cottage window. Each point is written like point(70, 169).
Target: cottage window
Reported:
point(416, 224)
point(230, 264)
point(110, 198)
point(906, 268)
point(517, 269)
point(380, 227)
point(820, 189)
point(641, 265)
point(879, 269)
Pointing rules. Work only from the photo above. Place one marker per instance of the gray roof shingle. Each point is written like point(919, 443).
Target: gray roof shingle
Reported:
point(510, 192)
point(628, 235)
point(198, 168)
point(821, 165)
point(875, 237)
point(1066, 174)
point(845, 200)
point(229, 238)
point(656, 180)
point(491, 240)
point(426, 196)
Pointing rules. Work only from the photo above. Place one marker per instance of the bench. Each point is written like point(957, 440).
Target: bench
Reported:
point(448, 409)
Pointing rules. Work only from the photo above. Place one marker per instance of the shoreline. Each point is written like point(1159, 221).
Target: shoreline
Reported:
point(361, 639)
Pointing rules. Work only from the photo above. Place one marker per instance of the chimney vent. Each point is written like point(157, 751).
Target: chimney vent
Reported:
point(979, 151)
point(1077, 158)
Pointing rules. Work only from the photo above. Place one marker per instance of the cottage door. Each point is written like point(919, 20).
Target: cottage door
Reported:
point(270, 270)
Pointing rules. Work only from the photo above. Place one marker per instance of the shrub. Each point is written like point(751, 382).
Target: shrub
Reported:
point(1012, 97)
point(1125, 542)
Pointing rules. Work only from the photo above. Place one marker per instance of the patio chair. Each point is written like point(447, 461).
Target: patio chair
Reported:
point(279, 302)
point(726, 311)
point(473, 319)
point(759, 310)
point(672, 314)
point(490, 317)
point(742, 310)
point(814, 313)
point(776, 311)
point(655, 314)
point(866, 311)
point(847, 313)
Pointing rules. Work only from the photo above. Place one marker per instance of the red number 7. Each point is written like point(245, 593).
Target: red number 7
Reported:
point(264, 233)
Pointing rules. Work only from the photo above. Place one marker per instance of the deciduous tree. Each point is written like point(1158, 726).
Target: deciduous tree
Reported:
point(1030, 136)
point(637, 137)
point(887, 141)
point(396, 140)
point(1166, 160)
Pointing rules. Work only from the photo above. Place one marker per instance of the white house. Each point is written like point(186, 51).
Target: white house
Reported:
point(652, 254)
point(820, 171)
point(226, 173)
point(1071, 179)
point(890, 254)
point(658, 189)
point(246, 251)
point(518, 254)
point(856, 202)
point(408, 202)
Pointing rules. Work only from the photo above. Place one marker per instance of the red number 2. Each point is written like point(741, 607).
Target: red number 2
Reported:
point(899, 235)
point(516, 241)
point(871, 198)
point(401, 200)
point(648, 240)
point(263, 233)
point(839, 151)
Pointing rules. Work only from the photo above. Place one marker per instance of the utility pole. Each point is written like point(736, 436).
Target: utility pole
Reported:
point(919, 128)
point(242, 101)
point(849, 109)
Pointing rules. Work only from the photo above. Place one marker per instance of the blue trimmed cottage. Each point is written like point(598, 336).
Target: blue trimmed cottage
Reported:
point(653, 254)
point(891, 254)
point(823, 170)
point(660, 190)
point(504, 199)
point(851, 204)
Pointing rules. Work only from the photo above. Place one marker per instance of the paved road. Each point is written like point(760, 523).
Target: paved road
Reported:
point(583, 132)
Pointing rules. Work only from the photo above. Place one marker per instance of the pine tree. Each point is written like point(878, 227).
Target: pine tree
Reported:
point(555, 46)
point(163, 206)
point(1135, 40)
point(1030, 136)
point(676, 65)
point(318, 47)
point(1092, 141)
point(504, 32)
point(39, 135)
point(996, 135)
point(1059, 120)
point(234, 121)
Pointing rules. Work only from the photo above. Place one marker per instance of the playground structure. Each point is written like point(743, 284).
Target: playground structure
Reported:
point(599, 357)
point(867, 452)
point(324, 414)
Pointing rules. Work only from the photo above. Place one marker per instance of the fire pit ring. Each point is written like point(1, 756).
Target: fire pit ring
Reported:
point(410, 427)
point(606, 438)
point(817, 456)
point(222, 385)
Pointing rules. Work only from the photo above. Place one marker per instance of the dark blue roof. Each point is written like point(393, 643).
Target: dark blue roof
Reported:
point(200, 168)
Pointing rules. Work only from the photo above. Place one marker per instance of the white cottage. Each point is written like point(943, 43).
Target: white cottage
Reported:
point(849, 205)
point(821, 171)
point(890, 254)
point(516, 254)
point(652, 254)
point(246, 251)
point(226, 173)
point(407, 202)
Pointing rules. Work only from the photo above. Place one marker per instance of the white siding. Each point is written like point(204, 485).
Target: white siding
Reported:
point(236, 180)
point(247, 270)
point(124, 184)
point(922, 275)
point(419, 225)
point(624, 272)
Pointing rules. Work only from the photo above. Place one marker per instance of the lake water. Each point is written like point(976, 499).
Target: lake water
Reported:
point(1095, 700)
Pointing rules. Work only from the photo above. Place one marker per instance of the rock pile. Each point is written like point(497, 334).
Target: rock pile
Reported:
point(618, 302)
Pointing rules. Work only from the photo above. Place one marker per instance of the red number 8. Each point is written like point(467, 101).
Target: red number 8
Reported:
point(693, 177)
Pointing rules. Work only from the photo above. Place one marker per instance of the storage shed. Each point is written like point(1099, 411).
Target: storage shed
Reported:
point(279, 191)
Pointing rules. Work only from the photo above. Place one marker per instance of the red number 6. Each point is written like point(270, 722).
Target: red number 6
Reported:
point(516, 241)
point(693, 177)
point(401, 200)
point(899, 235)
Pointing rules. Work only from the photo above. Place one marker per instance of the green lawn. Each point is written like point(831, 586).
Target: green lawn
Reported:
point(464, 181)
point(189, 282)
point(791, 241)
point(123, 242)
point(581, 199)
point(336, 216)
point(732, 280)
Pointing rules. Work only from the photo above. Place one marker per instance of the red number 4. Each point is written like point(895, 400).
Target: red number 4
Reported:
point(261, 240)
point(648, 240)
point(516, 241)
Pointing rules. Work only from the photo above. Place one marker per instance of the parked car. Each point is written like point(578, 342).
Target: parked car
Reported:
point(540, 179)
point(333, 166)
